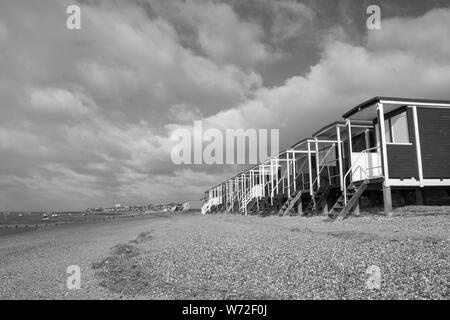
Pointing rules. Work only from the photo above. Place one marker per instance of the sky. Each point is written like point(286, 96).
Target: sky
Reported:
point(86, 115)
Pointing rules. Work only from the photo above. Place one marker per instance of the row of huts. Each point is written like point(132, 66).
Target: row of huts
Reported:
point(383, 149)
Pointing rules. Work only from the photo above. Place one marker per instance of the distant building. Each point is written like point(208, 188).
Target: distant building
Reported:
point(118, 206)
point(192, 205)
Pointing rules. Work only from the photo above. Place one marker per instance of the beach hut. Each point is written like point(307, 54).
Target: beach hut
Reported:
point(383, 145)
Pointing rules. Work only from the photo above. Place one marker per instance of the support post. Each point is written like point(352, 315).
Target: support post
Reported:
point(276, 174)
point(325, 207)
point(387, 196)
point(261, 183)
point(356, 211)
point(310, 171)
point(300, 206)
point(294, 169)
point(387, 200)
point(367, 138)
point(317, 164)
point(288, 175)
point(350, 147)
point(271, 182)
point(245, 183)
point(418, 145)
point(341, 168)
point(419, 197)
point(242, 188)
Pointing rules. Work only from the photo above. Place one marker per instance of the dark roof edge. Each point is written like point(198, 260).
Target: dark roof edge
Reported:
point(377, 99)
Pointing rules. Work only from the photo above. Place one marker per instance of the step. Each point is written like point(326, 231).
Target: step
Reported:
point(350, 194)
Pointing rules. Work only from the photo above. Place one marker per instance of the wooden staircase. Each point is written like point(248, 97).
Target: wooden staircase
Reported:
point(290, 203)
point(317, 200)
point(340, 209)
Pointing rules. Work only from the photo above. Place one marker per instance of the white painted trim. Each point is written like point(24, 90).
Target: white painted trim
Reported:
point(322, 141)
point(399, 143)
point(383, 143)
point(416, 183)
point(436, 182)
point(418, 145)
point(446, 105)
point(361, 126)
point(342, 126)
point(303, 151)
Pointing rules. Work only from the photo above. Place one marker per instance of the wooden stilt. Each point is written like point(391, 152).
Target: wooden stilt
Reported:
point(300, 207)
point(387, 201)
point(356, 211)
point(419, 197)
point(325, 206)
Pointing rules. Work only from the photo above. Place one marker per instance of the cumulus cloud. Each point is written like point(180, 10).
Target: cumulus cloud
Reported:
point(292, 20)
point(54, 100)
point(219, 32)
point(396, 61)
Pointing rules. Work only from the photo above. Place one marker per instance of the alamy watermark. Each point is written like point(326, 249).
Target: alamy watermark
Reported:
point(237, 146)
point(373, 280)
point(374, 20)
point(74, 280)
point(73, 21)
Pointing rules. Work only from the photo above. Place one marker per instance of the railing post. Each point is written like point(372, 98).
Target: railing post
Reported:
point(288, 175)
point(310, 170)
point(317, 163)
point(341, 168)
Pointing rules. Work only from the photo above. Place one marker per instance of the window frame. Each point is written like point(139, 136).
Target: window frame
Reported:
point(391, 130)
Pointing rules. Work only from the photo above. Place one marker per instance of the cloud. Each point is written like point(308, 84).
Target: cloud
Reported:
point(423, 37)
point(292, 20)
point(86, 110)
point(219, 32)
point(54, 100)
point(86, 115)
point(391, 63)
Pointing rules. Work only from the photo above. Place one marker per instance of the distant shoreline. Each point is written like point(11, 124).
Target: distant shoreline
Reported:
point(33, 222)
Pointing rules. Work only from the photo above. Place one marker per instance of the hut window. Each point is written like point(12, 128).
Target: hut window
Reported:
point(397, 129)
point(387, 127)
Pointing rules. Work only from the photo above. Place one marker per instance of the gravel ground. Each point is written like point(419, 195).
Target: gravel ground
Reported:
point(33, 263)
point(236, 257)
